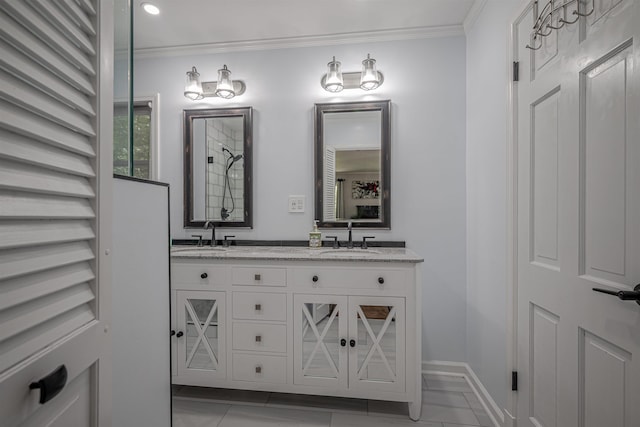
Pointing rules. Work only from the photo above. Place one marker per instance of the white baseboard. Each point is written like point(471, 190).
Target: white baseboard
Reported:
point(461, 369)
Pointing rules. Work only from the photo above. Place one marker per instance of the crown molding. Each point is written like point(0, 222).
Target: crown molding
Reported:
point(473, 14)
point(305, 41)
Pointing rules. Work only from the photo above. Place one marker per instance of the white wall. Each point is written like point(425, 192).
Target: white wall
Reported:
point(425, 80)
point(487, 91)
point(140, 327)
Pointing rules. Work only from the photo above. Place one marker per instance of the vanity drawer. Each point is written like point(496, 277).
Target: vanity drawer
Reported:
point(259, 276)
point(198, 274)
point(258, 368)
point(350, 278)
point(259, 306)
point(259, 337)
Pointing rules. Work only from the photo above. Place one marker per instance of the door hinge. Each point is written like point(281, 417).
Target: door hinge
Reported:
point(516, 71)
point(514, 381)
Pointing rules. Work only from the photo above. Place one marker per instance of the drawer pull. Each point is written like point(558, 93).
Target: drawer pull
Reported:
point(258, 369)
point(51, 385)
point(314, 278)
point(258, 338)
point(381, 280)
point(257, 277)
point(204, 275)
point(258, 307)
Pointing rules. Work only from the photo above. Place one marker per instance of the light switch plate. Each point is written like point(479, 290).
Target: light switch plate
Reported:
point(296, 204)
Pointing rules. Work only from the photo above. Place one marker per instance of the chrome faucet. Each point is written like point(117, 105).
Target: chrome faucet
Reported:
point(210, 224)
point(350, 242)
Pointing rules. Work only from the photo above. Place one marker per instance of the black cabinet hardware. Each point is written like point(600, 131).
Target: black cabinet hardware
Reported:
point(51, 385)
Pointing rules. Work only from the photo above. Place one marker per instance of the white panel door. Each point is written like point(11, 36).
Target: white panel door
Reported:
point(56, 85)
point(578, 210)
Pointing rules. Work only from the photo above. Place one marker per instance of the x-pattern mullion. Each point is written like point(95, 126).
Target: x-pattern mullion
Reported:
point(320, 343)
point(201, 331)
point(376, 341)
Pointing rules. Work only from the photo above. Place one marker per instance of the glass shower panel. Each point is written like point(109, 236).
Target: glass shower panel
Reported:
point(202, 341)
point(320, 340)
point(377, 343)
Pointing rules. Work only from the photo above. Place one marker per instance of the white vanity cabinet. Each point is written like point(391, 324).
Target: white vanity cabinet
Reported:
point(348, 328)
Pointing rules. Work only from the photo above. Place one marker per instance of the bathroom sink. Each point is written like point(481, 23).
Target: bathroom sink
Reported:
point(344, 253)
point(203, 251)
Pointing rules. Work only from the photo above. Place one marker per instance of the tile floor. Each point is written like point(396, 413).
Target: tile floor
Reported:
point(447, 401)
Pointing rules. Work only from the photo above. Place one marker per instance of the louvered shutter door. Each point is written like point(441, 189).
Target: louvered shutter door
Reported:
point(329, 183)
point(47, 173)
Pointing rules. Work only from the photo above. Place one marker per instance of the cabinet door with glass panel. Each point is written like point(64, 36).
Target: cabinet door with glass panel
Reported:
point(200, 337)
point(320, 330)
point(350, 342)
point(377, 357)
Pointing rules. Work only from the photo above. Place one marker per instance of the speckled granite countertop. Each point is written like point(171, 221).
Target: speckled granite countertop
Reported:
point(283, 253)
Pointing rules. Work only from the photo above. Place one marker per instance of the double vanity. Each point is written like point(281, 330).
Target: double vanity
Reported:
point(336, 322)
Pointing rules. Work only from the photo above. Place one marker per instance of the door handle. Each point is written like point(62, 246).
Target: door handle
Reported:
point(343, 342)
point(352, 343)
point(633, 295)
point(179, 334)
point(51, 385)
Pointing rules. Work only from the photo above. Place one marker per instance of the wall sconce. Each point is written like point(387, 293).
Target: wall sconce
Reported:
point(368, 79)
point(223, 88)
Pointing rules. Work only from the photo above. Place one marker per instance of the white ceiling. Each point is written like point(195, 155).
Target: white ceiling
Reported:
point(245, 23)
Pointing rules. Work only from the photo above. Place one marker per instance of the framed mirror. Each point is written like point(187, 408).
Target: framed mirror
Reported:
point(218, 167)
point(352, 164)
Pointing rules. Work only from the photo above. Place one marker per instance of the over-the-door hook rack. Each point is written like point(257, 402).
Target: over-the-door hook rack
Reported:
point(534, 47)
point(593, 8)
point(540, 33)
point(553, 27)
point(544, 25)
point(564, 21)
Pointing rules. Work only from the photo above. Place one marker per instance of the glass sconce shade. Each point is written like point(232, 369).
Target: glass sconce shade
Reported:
point(369, 79)
point(224, 88)
point(333, 81)
point(193, 88)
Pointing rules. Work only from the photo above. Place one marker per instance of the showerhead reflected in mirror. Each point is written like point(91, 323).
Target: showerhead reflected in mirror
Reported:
point(218, 167)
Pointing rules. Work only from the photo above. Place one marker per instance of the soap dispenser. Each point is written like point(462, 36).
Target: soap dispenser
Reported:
point(315, 237)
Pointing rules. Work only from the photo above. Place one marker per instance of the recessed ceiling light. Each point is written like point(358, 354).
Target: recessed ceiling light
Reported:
point(150, 8)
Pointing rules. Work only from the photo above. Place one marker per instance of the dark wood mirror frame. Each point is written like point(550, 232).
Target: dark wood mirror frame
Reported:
point(188, 117)
point(385, 157)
